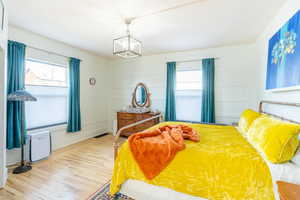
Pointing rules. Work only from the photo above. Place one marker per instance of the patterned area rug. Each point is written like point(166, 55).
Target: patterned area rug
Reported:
point(103, 194)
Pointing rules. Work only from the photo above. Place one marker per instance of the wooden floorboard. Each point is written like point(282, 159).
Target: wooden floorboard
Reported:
point(71, 173)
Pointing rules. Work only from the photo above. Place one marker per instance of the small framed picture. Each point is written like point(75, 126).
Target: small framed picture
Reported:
point(92, 81)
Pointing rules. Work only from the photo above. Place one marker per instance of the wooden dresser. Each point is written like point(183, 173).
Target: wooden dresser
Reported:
point(125, 118)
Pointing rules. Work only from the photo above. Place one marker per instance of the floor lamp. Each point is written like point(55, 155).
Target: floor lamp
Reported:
point(21, 96)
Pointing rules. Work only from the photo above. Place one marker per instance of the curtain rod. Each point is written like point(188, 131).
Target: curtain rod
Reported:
point(49, 52)
point(195, 60)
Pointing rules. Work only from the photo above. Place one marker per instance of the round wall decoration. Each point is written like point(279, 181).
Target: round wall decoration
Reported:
point(92, 81)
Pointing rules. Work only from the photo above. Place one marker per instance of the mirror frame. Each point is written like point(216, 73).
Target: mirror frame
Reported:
point(147, 103)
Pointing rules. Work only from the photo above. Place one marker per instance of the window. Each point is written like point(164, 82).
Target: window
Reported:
point(43, 74)
point(188, 95)
point(48, 83)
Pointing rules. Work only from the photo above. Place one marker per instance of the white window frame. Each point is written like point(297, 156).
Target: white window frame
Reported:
point(184, 68)
point(66, 87)
point(49, 63)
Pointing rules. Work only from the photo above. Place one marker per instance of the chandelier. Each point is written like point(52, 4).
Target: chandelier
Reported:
point(127, 46)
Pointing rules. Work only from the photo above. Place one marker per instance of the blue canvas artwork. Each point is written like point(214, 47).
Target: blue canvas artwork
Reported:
point(284, 56)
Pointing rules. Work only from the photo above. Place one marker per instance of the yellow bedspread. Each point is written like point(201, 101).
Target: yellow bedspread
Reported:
point(223, 165)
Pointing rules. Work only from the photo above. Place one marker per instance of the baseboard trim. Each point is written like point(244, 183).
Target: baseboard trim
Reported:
point(4, 178)
point(88, 136)
point(101, 135)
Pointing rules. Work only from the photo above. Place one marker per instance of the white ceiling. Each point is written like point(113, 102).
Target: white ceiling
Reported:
point(92, 24)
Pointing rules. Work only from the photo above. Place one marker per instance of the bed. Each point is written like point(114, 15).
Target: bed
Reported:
point(229, 168)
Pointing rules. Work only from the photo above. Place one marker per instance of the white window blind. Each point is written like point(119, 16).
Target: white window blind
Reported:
point(48, 83)
point(188, 95)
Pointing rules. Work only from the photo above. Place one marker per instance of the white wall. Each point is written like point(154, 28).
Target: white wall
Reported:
point(285, 13)
point(3, 68)
point(94, 101)
point(236, 75)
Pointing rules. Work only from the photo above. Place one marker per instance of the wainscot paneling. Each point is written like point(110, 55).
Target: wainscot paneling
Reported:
point(236, 88)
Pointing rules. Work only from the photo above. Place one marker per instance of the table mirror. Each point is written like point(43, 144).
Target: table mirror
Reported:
point(141, 96)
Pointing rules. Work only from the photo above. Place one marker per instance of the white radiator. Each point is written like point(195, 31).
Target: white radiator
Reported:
point(40, 146)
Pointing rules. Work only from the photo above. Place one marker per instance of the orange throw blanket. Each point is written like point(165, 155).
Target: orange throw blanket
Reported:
point(155, 149)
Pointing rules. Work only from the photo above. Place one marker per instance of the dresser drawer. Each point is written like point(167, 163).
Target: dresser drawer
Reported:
point(125, 119)
point(140, 117)
point(148, 124)
point(126, 116)
point(129, 131)
point(124, 122)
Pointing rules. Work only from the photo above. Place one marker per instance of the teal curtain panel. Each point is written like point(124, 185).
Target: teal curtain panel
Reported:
point(170, 112)
point(208, 91)
point(15, 81)
point(74, 118)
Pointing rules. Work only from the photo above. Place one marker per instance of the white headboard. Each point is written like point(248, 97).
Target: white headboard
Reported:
point(286, 111)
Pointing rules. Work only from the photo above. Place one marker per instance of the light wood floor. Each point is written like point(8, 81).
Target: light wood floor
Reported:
point(70, 173)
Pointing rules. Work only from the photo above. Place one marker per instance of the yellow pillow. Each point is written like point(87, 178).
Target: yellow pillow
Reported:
point(275, 139)
point(246, 119)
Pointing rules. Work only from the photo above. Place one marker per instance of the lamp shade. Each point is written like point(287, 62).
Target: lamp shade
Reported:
point(127, 47)
point(20, 95)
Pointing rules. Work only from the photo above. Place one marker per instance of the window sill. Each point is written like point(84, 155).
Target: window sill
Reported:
point(53, 127)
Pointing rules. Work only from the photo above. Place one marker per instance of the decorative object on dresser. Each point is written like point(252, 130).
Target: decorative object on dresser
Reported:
point(139, 110)
point(288, 191)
